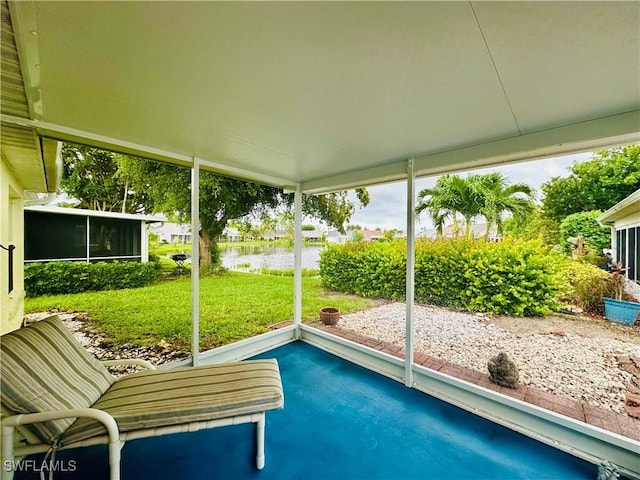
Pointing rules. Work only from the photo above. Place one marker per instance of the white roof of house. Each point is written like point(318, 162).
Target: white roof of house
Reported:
point(627, 206)
point(328, 95)
point(312, 233)
point(93, 213)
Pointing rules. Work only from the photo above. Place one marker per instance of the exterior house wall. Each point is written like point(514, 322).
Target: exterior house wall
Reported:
point(629, 221)
point(174, 233)
point(629, 252)
point(11, 232)
point(334, 236)
point(230, 234)
point(624, 221)
point(312, 235)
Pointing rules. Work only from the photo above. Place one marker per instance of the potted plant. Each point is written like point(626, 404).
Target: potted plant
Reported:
point(619, 310)
point(329, 315)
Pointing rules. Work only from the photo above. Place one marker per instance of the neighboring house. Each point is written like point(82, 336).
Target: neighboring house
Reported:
point(427, 233)
point(334, 236)
point(74, 234)
point(180, 234)
point(276, 235)
point(307, 235)
point(372, 235)
point(230, 234)
point(174, 233)
point(624, 220)
point(312, 235)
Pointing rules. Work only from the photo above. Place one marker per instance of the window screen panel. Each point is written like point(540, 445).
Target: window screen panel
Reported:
point(621, 246)
point(114, 237)
point(49, 236)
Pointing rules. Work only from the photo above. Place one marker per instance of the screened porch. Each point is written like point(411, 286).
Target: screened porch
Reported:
point(321, 97)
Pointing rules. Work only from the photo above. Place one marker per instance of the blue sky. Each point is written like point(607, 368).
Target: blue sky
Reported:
point(387, 207)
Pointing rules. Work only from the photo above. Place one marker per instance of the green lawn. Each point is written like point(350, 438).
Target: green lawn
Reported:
point(232, 307)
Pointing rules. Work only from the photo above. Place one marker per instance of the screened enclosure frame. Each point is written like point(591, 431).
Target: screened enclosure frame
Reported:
point(322, 107)
point(54, 234)
point(580, 439)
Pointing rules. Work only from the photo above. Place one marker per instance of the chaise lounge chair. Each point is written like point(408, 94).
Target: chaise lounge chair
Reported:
point(59, 396)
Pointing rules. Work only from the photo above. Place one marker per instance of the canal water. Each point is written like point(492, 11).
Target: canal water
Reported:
point(254, 257)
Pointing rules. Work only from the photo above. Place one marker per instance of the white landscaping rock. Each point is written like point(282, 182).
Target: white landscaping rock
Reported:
point(584, 369)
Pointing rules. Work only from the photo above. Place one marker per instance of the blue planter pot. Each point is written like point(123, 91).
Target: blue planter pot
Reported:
point(621, 311)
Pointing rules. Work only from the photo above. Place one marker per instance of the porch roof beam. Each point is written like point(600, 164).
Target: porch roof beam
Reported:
point(601, 133)
point(74, 135)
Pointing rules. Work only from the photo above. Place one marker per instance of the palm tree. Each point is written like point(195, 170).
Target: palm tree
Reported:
point(468, 200)
point(499, 197)
point(451, 196)
point(437, 201)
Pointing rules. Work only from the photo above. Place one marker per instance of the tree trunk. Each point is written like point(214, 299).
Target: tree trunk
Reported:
point(205, 248)
point(456, 226)
point(209, 253)
point(124, 198)
point(488, 228)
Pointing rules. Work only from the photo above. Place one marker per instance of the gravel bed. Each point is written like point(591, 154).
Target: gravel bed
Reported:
point(93, 341)
point(584, 369)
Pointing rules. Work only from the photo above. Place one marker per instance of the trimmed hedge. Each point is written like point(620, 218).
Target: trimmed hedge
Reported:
point(512, 277)
point(74, 277)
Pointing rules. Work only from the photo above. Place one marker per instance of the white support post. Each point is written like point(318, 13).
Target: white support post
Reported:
point(195, 261)
point(144, 242)
point(410, 277)
point(88, 239)
point(297, 258)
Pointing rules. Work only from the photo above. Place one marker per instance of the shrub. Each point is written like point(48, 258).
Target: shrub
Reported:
point(511, 277)
point(596, 236)
point(366, 269)
point(213, 270)
point(585, 285)
point(74, 277)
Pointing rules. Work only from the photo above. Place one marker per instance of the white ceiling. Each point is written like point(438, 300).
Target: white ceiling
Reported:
point(334, 94)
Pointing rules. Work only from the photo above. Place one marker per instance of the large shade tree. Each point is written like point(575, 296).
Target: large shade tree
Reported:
point(156, 187)
point(597, 184)
point(92, 177)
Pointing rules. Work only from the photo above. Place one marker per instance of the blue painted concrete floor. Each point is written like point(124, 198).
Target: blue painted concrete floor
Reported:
point(340, 421)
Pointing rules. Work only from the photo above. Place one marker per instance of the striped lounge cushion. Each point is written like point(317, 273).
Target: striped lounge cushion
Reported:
point(172, 397)
point(42, 369)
